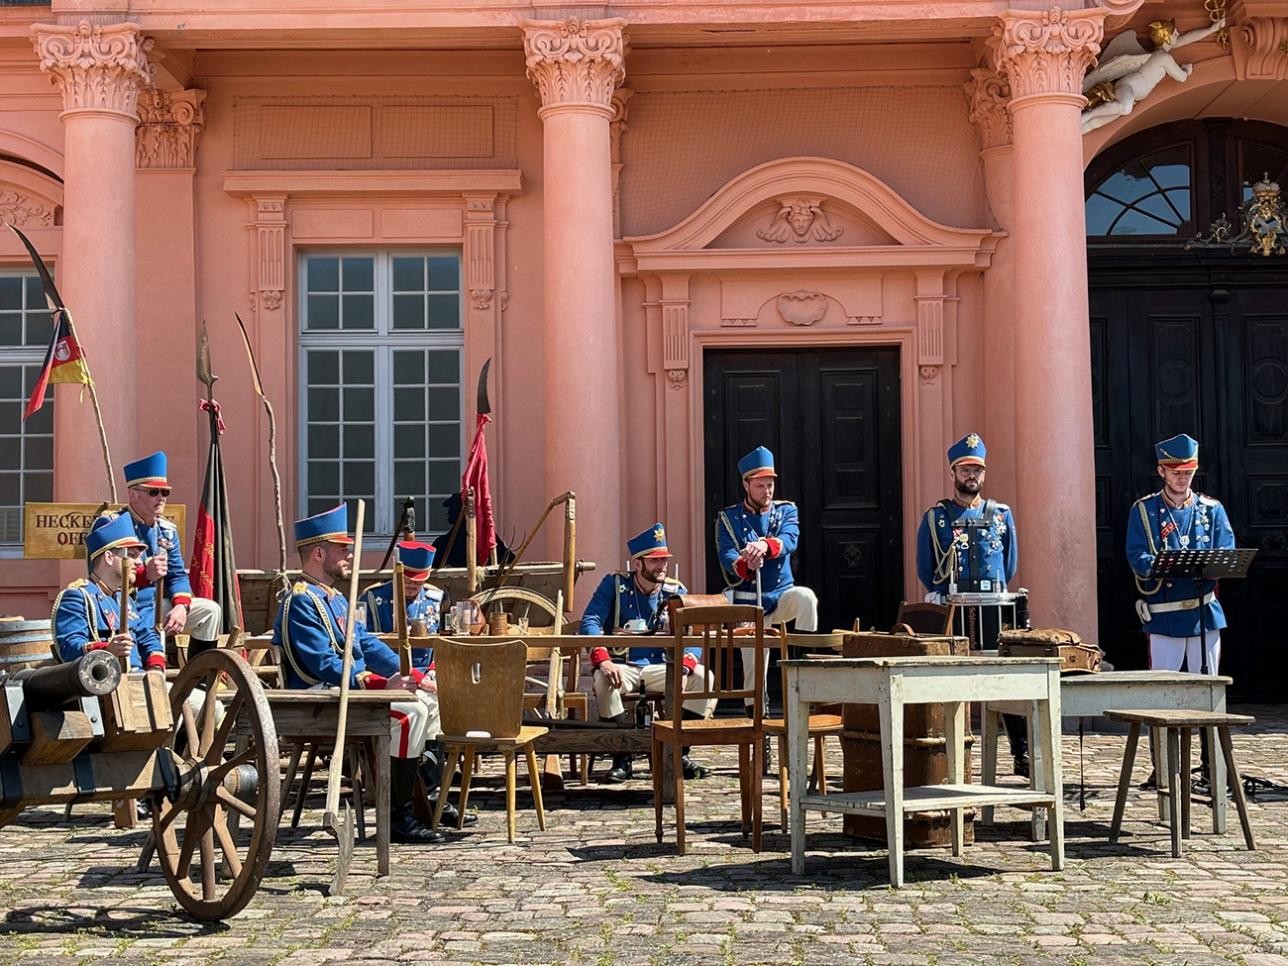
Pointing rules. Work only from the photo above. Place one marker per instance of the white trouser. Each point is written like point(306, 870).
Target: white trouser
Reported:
point(609, 698)
point(203, 618)
point(412, 723)
point(799, 604)
point(1168, 653)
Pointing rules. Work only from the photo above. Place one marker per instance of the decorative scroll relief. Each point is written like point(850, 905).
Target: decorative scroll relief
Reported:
point(802, 307)
point(480, 249)
point(1047, 53)
point(24, 212)
point(575, 61)
point(750, 302)
point(675, 335)
point(1260, 49)
point(987, 93)
point(169, 124)
point(800, 219)
point(98, 67)
point(616, 128)
point(270, 249)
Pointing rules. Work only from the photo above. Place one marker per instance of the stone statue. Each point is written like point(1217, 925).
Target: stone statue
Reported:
point(1128, 74)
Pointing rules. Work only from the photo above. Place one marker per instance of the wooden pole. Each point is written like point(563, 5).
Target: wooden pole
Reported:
point(400, 619)
point(570, 547)
point(337, 756)
point(127, 571)
point(102, 431)
point(471, 545)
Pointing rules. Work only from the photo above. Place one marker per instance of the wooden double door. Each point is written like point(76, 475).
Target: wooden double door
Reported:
point(831, 418)
point(1196, 345)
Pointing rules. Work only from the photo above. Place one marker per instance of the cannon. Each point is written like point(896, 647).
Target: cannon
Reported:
point(204, 757)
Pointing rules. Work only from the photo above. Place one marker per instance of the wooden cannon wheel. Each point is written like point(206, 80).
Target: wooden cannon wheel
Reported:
point(504, 598)
point(228, 799)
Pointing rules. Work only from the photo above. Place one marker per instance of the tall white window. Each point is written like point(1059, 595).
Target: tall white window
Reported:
point(380, 370)
point(26, 448)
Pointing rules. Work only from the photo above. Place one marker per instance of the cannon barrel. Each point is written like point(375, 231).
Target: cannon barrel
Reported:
point(48, 688)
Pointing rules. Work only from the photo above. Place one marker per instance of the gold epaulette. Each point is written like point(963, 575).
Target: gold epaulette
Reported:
point(299, 587)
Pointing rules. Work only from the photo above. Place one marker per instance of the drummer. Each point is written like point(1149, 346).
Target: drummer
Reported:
point(635, 602)
point(944, 558)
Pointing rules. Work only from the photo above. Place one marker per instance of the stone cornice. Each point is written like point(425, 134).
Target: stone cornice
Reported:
point(98, 67)
point(169, 124)
point(1047, 52)
point(575, 62)
point(988, 93)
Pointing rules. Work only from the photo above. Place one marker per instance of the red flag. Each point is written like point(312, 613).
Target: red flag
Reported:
point(476, 477)
point(64, 362)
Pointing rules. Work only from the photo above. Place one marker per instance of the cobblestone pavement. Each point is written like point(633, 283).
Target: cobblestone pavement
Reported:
point(596, 888)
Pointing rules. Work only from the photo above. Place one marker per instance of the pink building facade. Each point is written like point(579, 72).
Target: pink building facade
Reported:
point(854, 232)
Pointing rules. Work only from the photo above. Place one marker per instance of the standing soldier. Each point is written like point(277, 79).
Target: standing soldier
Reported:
point(161, 578)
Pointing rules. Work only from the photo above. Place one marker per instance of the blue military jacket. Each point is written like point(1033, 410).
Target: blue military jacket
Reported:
point(1154, 525)
point(942, 545)
point(737, 526)
point(158, 536)
point(310, 630)
point(85, 613)
point(427, 605)
point(617, 600)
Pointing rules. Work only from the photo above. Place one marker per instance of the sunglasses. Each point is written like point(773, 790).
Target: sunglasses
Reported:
point(155, 490)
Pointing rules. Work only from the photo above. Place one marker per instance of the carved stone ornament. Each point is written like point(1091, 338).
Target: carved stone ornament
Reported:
point(23, 212)
point(575, 61)
point(1260, 49)
point(800, 219)
point(928, 373)
point(1047, 53)
point(987, 94)
point(169, 123)
point(802, 307)
point(99, 67)
point(676, 378)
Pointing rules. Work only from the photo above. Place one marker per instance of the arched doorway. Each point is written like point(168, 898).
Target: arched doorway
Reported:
point(1195, 342)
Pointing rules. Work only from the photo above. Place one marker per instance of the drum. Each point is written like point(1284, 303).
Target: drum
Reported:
point(981, 617)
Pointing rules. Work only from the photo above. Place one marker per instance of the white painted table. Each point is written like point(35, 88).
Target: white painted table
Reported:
point(1090, 695)
point(892, 682)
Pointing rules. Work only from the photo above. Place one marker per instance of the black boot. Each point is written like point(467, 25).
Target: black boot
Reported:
point(692, 769)
point(404, 826)
point(621, 770)
point(1017, 731)
point(196, 647)
point(431, 773)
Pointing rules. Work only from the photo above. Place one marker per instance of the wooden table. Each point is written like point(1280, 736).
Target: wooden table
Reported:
point(302, 716)
point(892, 682)
point(1090, 695)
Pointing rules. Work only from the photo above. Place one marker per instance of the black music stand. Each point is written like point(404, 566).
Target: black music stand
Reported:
point(1202, 565)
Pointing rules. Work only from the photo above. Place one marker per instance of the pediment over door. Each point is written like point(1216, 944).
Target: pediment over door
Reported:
point(815, 212)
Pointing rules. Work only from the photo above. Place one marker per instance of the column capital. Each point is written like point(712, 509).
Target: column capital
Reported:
point(987, 94)
point(169, 124)
point(98, 67)
point(575, 63)
point(1046, 52)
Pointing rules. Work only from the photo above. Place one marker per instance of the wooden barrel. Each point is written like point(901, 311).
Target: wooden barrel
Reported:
point(24, 644)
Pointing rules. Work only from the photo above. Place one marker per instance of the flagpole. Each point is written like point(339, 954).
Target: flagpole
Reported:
point(93, 399)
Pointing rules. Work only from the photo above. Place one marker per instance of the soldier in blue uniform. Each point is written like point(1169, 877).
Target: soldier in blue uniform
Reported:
point(1176, 518)
point(161, 565)
point(945, 560)
point(635, 602)
point(424, 601)
point(310, 629)
point(87, 615)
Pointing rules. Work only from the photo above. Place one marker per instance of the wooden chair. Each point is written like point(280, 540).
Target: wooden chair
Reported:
point(716, 625)
point(821, 724)
point(925, 618)
point(480, 701)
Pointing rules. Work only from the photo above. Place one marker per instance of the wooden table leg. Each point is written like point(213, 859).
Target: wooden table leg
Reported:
point(1174, 779)
point(988, 755)
point(891, 709)
point(1037, 767)
point(1186, 782)
point(1048, 734)
point(382, 803)
point(1216, 770)
point(797, 767)
point(1158, 750)
point(1236, 784)
point(955, 745)
point(1124, 781)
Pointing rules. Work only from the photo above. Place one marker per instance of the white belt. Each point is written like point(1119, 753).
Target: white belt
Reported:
point(1176, 605)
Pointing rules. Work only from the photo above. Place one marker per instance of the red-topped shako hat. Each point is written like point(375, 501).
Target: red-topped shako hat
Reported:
point(149, 471)
point(650, 543)
point(759, 462)
point(329, 526)
point(967, 451)
point(416, 559)
point(1181, 452)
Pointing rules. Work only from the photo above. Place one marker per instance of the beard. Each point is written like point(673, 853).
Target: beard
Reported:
point(337, 570)
point(968, 488)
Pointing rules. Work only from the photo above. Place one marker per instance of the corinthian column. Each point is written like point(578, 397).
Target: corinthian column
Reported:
point(576, 65)
point(1043, 57)
point(100, 70)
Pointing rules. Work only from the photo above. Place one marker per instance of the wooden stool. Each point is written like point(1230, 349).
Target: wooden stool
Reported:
point(1176, 728)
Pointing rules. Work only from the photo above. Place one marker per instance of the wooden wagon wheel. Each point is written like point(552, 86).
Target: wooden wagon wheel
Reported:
point(219, 781)
point(505, 595)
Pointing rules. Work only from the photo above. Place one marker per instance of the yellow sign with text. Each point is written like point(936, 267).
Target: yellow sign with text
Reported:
point(56, 531)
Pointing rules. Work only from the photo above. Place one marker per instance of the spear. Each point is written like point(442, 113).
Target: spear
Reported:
point(272, 449)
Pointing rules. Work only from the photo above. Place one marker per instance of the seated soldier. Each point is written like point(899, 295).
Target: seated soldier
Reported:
point(635, 602)
point(310, 629)
point(161, 578)
point(424, 603)
point(87, 613)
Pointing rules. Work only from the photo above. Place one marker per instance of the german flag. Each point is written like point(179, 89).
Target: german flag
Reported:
point(64, 362)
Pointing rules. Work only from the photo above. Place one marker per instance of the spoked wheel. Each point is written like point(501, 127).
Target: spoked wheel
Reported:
point(215, 838)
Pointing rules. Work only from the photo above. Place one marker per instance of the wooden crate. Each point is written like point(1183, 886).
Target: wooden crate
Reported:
point(136, 716)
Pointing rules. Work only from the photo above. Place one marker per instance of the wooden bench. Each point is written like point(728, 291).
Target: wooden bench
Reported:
point(1177, 726)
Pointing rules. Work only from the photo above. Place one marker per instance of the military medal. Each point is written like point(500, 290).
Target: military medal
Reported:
point(1185, 540)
